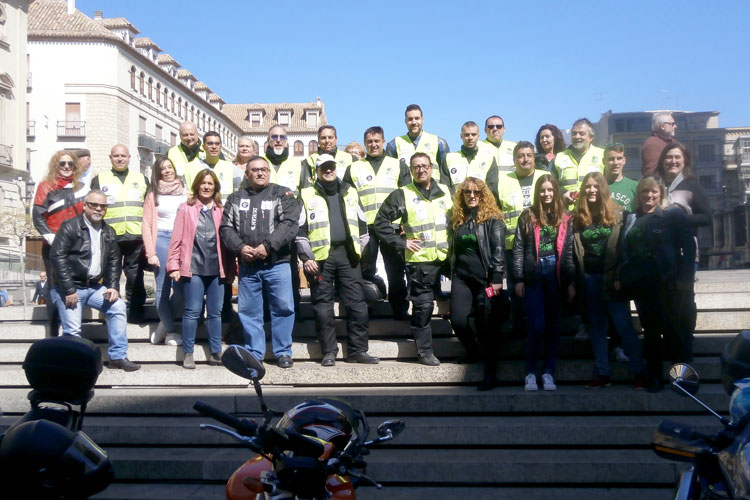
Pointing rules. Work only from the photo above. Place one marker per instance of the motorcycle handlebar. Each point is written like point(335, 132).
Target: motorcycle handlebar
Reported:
point(243, 426)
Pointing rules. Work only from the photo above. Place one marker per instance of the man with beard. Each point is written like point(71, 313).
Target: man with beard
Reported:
point(417, 140)
point(580, 158)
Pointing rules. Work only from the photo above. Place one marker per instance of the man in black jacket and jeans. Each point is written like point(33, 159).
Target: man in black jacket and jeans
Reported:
point(259, 225)
point(84, 255)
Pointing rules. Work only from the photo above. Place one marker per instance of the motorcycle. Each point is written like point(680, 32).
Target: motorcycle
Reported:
point(45, 454)
point(315, 451)
point(720, 462)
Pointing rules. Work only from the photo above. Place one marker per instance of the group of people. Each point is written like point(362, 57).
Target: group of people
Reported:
point(555, 223)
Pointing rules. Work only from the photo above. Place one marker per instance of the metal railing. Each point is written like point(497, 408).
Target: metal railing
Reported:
point(31, 128)
point(162, 147)
point(146, 141)
point(28, 80)
point(71, 129)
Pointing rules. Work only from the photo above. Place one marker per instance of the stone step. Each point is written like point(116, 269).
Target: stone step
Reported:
point(403, 401)
point(151, 491)
point(384, 374)
point(488, 466)
point(445, 347)
point(459, 431)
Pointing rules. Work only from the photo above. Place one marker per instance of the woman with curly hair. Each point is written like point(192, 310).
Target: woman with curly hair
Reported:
point(58, 198)
point(477, 257)
point(549, 141)
point(542, 269)
point(596, 228)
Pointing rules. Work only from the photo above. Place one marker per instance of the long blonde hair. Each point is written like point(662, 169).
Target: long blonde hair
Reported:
point(487, 205)
point(605, 206)
point(647, 183)
point(53, 164)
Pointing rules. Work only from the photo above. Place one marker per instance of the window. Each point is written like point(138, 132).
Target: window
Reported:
point(158, 94)
point(142, 124)
point(172, 138)
point(140, 83)
point(172, 100)
point(192, 113)
point(203, 120)
point(633, 153)
point(186, 109)
point(284, 118)
point(72, 126)
point(255, 119)
point(257, 150)
point(179, 107)
point(745, 150)
point(151, 88)
point(299, 148)
point(312, 147)
point(705, 152)
point(132, 77)
point(311, 119)
point(158, 132)
point(166, 97)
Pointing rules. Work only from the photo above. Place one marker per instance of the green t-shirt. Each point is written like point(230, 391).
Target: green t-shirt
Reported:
point(623, 192)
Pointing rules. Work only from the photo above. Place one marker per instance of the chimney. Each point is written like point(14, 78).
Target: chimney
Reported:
point(71, 6)
point(97, 15)
point(317, 101)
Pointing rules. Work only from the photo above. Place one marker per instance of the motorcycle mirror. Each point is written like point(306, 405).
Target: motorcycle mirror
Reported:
point(243, 363)
point(392, 427)
point(685, 377)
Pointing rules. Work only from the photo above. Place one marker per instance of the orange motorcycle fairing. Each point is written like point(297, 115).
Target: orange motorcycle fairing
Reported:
point(341, 487)
point(237, 489)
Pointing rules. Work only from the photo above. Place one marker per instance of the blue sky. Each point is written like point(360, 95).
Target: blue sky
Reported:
point(530, 62)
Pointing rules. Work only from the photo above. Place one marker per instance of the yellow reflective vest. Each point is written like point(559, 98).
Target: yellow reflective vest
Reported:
point(503, 154)
point(428, 144)
point(179, 159)
point(319, 225)
point(124, 201)
point(374, 188)
point(459, 167)
point(288, 174)
point(512, 204)
point(343, 161)
point(571, 172)
point(223, 169)
point(426, 220)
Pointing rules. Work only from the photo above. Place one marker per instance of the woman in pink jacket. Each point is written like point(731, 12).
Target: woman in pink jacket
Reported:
point(196, 259)
point(165, 194)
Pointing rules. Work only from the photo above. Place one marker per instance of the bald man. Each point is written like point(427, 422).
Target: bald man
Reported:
point(125, 190)
point(188, 151)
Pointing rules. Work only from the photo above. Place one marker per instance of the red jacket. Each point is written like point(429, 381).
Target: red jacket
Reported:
point(53, 206)
point(180, 251)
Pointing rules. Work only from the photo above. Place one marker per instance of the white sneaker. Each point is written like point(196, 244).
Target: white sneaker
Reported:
point(549, 382)
point(620, 355)
point(174, 339)
point(158, 336)
point(531, 383)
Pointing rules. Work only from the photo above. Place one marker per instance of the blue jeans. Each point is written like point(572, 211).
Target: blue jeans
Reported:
point(543, 304)
point(275, 284)
point(597, 309)
point(195, 288)
point(113, 311)
point(166, 305)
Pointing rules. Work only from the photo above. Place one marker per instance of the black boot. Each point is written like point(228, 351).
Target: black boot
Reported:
point(489, 381)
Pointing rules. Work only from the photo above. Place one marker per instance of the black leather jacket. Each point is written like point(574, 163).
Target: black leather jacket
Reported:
point(71, 256)
point(491, 242)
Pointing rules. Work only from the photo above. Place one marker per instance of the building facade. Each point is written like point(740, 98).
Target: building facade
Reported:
point(300, 119)
point(98, 83)
point(716, 162)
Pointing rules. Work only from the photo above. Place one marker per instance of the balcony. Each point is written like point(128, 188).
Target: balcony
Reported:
point(146, 141)
point(162, 147)
point(31, 129)
point(71, 129)
point(28, 81)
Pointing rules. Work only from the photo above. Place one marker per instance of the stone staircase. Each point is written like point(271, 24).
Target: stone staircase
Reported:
point(501, 444)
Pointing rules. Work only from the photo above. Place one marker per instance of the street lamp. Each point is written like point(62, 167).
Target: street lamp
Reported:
point(29, 191)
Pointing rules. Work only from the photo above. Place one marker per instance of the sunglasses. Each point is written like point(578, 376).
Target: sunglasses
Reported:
point(472, 192)
point(499, 127)
point(68, 163)
point(276, 137)
point(97, 206)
